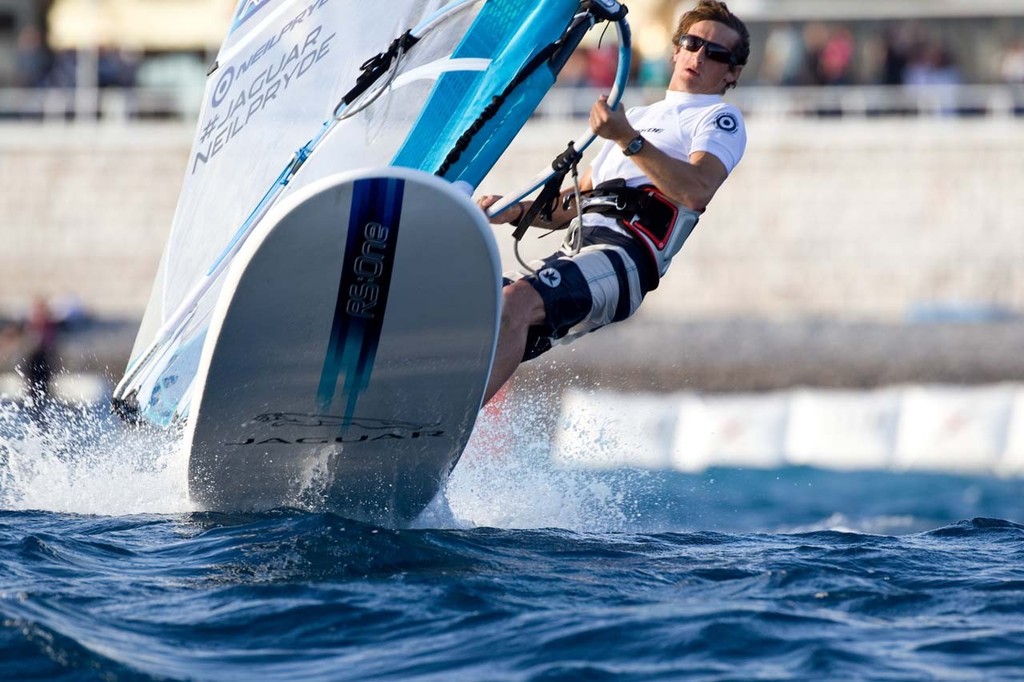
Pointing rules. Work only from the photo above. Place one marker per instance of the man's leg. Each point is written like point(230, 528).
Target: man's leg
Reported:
point(521, 307)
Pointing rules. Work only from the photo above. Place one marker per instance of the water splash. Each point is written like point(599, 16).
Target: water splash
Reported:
point(76, 459)
point(507, 479)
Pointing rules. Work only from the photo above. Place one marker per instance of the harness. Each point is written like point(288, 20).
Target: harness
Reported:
point(644, 211)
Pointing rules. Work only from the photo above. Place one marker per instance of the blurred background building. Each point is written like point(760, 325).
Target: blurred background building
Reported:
point(144, 59)
point(876, 210)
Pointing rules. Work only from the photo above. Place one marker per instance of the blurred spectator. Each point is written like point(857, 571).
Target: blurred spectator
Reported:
point(898, 44)
point(575, 72)
point(602, 63)
point(1011, 64)
point(784, 58)
point(815, 37)
point(63, 70)
point(835, 61)
point(828, 54)
point(116, 68)
point(932, 64)
point(33, 59)
point(39, 337)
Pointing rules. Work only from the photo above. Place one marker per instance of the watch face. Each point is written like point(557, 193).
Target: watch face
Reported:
point(635, 145)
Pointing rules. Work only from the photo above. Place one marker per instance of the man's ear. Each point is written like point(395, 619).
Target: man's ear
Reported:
point(734, 72)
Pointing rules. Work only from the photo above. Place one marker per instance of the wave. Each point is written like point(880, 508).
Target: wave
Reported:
point(289, 594)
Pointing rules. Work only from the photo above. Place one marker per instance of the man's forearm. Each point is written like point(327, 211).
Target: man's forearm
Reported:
point(689, 184)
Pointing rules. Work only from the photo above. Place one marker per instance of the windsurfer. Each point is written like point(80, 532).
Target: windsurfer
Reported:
point(658, 170)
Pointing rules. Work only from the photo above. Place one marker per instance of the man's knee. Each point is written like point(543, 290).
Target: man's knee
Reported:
point(521, 305)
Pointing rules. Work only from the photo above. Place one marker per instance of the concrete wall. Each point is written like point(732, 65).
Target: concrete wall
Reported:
point(856, 219)
point(85, 212)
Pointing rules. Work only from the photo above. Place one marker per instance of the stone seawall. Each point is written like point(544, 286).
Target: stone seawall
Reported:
point(861, 220)
point(85, 211)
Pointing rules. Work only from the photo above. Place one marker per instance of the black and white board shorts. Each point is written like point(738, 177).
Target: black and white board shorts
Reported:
point(605, 282)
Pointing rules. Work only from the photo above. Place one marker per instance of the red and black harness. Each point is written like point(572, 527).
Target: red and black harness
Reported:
point(643, 210)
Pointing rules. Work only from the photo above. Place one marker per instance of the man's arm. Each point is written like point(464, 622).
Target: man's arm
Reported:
point(559, 217)
point(691, 183)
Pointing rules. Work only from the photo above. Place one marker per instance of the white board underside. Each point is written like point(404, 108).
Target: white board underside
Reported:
point(345, 371)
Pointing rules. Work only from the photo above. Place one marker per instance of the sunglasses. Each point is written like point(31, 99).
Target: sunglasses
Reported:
point(715, 52)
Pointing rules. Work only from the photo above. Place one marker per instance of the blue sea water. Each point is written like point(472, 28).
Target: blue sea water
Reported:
point(523, 571)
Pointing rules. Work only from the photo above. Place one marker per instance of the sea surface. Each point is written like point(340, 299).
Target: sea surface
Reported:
point(521, 571)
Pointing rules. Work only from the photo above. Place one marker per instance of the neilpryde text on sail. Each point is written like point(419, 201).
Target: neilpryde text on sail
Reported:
point(218, 131)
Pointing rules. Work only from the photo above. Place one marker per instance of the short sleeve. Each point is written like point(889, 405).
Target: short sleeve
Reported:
point(722, 133)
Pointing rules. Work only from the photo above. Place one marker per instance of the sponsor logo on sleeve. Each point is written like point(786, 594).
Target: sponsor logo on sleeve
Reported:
point(727, 123)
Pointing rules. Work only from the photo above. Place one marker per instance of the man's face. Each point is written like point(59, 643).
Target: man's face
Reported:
point(694, 72)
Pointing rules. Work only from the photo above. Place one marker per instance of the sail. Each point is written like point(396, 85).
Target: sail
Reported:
point(277, 87)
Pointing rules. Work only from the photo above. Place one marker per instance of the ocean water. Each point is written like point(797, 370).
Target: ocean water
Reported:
point(521, 571)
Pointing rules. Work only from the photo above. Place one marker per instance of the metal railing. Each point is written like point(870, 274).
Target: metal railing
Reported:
point(121, 105)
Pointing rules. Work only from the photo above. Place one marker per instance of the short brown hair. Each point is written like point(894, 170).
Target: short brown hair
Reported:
point(714, 10)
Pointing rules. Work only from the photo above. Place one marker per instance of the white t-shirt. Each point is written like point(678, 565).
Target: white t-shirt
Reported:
point(678, 125)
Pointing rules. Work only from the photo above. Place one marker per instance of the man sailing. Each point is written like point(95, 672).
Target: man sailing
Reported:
point(658, 170)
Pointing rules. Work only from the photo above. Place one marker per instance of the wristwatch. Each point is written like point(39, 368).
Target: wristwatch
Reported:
point(634, 146)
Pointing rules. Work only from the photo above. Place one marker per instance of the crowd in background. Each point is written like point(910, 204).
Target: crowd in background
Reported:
point(38, 66)
point(823, 54)
point(885, 53)
point(792, 54)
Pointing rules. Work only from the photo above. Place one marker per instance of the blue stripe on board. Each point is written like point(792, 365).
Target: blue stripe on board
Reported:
point(362, 290)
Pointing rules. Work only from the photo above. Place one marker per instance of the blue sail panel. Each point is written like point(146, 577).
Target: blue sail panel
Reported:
point(510, 33)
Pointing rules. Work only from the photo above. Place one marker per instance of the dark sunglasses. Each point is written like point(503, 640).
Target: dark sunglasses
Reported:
point(715, 52)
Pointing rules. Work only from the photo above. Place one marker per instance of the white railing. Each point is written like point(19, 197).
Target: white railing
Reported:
point(119, 105)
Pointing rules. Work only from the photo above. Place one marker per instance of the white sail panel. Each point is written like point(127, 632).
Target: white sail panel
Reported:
point(274, 85)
